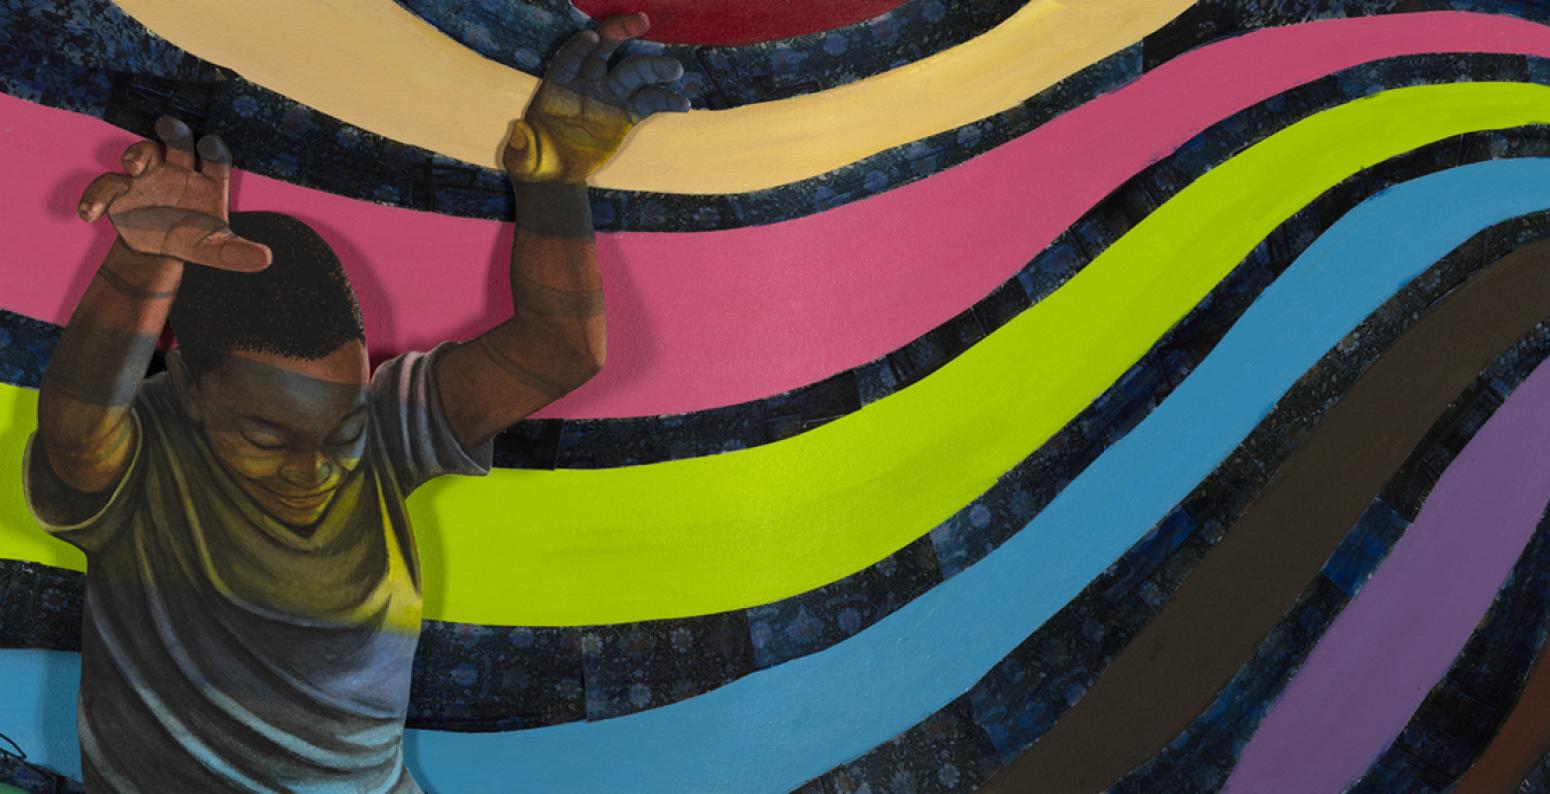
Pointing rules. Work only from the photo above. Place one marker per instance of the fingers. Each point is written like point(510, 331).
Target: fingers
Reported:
point(141, 157)
point(624, 26)
point(641, 71)
point(191, 236)
point(567, 62)
point(611, 32)
point(227, 251)
point(207, 240)
point(655, 99)
point(215, 163)
point(214, 158)
point(100, 194)
point(179, 139)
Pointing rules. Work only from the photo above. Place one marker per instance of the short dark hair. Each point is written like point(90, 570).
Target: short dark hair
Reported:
point(301, 306)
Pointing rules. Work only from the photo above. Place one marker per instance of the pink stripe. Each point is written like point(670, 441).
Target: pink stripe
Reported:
point(1379, 659)
point(713, 318)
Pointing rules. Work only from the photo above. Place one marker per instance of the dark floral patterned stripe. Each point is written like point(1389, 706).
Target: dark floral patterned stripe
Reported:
point(522, 34)
point(605, 443)
point(25, 347)
point(15, 771)
point(40, 607)
point(1026, 693)
point(280, 138)
point(1538, 781)
point(470, 677)
point(96, 34)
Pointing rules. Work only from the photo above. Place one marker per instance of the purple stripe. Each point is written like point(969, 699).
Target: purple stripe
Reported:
point(1398, 637)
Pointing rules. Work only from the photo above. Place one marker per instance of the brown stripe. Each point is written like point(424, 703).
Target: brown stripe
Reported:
point(1523, 741)
point(1176, 666)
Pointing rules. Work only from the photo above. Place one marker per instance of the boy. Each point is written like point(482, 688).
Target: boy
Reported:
point(253, 590)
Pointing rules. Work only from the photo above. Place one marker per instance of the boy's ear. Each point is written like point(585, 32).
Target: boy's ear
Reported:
point(185, 385)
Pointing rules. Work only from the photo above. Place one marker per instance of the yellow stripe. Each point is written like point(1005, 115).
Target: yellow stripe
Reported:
point(729, 531)
point(375, 65)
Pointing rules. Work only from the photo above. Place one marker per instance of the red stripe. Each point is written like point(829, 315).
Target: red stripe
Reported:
point(739, 21)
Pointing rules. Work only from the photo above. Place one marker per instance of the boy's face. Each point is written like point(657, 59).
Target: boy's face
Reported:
point(288, 430)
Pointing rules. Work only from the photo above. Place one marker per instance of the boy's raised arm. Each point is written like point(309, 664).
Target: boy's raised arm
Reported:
point(168, 208)
point(555, 341)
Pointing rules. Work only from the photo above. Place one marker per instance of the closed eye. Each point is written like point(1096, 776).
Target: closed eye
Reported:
point(263, 440)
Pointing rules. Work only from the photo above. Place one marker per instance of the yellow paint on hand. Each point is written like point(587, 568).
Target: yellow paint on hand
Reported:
point(374, 64)
point(724, 532)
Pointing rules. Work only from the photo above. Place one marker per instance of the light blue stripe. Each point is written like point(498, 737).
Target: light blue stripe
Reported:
point(775, 729)
point(37, 706)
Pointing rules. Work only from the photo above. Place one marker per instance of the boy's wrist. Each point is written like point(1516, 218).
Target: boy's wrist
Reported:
point(141, 275)
point(558, 209)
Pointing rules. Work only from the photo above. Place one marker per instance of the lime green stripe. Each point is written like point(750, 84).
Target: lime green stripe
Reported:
point(717, 533)
point(20, 536)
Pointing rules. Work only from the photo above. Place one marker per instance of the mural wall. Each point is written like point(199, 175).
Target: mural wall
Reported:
point(1006, 395)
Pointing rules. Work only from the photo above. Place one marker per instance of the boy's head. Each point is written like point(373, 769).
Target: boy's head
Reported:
point(272, 365)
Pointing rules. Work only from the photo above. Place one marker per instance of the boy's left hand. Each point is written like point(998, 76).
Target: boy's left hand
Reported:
point(582, 111)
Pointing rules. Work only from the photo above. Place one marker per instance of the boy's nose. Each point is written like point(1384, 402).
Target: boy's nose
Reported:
point(307, 470)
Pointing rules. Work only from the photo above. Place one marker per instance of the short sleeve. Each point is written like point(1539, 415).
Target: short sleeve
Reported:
point(88, 521)
point(412, 428)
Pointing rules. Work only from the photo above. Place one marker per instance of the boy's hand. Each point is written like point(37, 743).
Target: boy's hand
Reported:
point(582, 111)
point(167, 206)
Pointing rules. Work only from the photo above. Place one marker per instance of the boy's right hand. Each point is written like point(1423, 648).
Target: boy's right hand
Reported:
point(582, 110)
point(169, 206)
